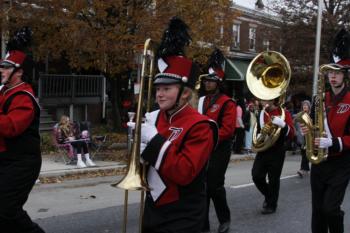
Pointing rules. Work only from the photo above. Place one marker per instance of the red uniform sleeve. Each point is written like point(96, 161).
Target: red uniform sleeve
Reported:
point(344, 142)
point(183, 166)
point(228, 122)
point(289, 122)
point(19, 116)
point(341, 143)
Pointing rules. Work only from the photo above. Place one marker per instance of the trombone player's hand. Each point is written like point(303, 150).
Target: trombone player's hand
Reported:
point(151, 117)
point(148, 131)
point(142, 144)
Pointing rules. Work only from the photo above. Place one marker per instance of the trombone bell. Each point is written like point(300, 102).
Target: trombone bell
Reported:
point(132, 181)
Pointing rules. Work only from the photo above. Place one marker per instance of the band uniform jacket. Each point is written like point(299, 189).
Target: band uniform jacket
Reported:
point(222, 110)
point(19, 125)
point(177, 158)
point(20, 156)
point(337, 123)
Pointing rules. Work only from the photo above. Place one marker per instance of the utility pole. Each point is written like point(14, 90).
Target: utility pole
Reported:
point(317, 48)
point(4, 27)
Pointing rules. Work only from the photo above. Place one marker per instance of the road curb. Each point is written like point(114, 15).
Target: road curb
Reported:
point(58, 176)
point(74, 174)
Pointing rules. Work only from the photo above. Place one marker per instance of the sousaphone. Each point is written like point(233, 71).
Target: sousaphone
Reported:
point(267, 78)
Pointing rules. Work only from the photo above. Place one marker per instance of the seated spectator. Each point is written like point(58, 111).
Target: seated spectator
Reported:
point(69, 133)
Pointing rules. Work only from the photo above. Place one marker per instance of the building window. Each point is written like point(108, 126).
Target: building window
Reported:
point(221, 31)
point(252, 38)
point(236, 35)
point(266, 45)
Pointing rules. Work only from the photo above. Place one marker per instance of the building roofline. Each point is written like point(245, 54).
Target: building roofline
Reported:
point(241, 55)
point(259, 14)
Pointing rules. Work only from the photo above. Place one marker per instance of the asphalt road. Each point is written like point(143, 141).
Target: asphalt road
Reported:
point(92, 206)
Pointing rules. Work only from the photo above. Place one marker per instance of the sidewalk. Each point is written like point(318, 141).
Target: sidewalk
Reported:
point(53, 172)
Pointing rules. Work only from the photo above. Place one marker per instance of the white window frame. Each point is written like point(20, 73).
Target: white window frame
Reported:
point(236, 34)
point(266, 44)
point(252, 38)
point(221, 31)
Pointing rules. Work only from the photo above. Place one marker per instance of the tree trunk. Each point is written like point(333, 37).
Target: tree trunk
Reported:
point(115, 100)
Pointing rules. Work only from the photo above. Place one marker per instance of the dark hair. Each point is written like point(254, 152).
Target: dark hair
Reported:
point(240, 102)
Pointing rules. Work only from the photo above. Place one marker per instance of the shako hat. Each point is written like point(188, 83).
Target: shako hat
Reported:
point(173, 65)
point(17, 56)
point(215, 66)
point(16, 48)
point(341, 50)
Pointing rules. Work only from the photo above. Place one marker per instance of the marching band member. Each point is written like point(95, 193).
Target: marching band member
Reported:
point(330, 178)
point(178, 141)
point(20, 156)
point(222, 109)
point(270, 162)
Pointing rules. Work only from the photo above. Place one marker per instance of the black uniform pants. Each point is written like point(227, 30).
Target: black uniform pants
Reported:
point(17, 177)
point(304, 165)
point(269, 163)
point(329, 181)
point(216, 179)
point(183, 216)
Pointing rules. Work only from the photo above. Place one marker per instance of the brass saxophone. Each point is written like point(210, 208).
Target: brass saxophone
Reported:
point(316, 130)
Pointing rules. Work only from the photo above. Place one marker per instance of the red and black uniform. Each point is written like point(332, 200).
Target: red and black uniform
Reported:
point(270, 162)
point(329, 179)
point(20, 156)
point(222, 110)
point(178, 156)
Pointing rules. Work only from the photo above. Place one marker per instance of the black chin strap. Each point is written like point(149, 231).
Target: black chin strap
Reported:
point(342, 84)
point(177, 103)
point(11, 75)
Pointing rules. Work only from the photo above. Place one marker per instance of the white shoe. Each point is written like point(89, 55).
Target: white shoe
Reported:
point(81, 164)
point(89, 163)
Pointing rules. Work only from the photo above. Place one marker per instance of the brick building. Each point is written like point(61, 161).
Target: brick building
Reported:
point(253, 31)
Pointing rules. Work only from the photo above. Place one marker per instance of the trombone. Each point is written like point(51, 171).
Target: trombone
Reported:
point(135, 176)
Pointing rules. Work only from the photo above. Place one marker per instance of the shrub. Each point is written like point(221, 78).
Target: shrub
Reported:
point(47, 145)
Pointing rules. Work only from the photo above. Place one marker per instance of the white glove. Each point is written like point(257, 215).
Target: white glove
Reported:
point(148, 131)
point(151, 117)
point(279, 122)
point(142, 148)
point(325, 142)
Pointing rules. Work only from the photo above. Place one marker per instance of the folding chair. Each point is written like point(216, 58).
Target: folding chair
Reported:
point(96, 143)
point(65, 150)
